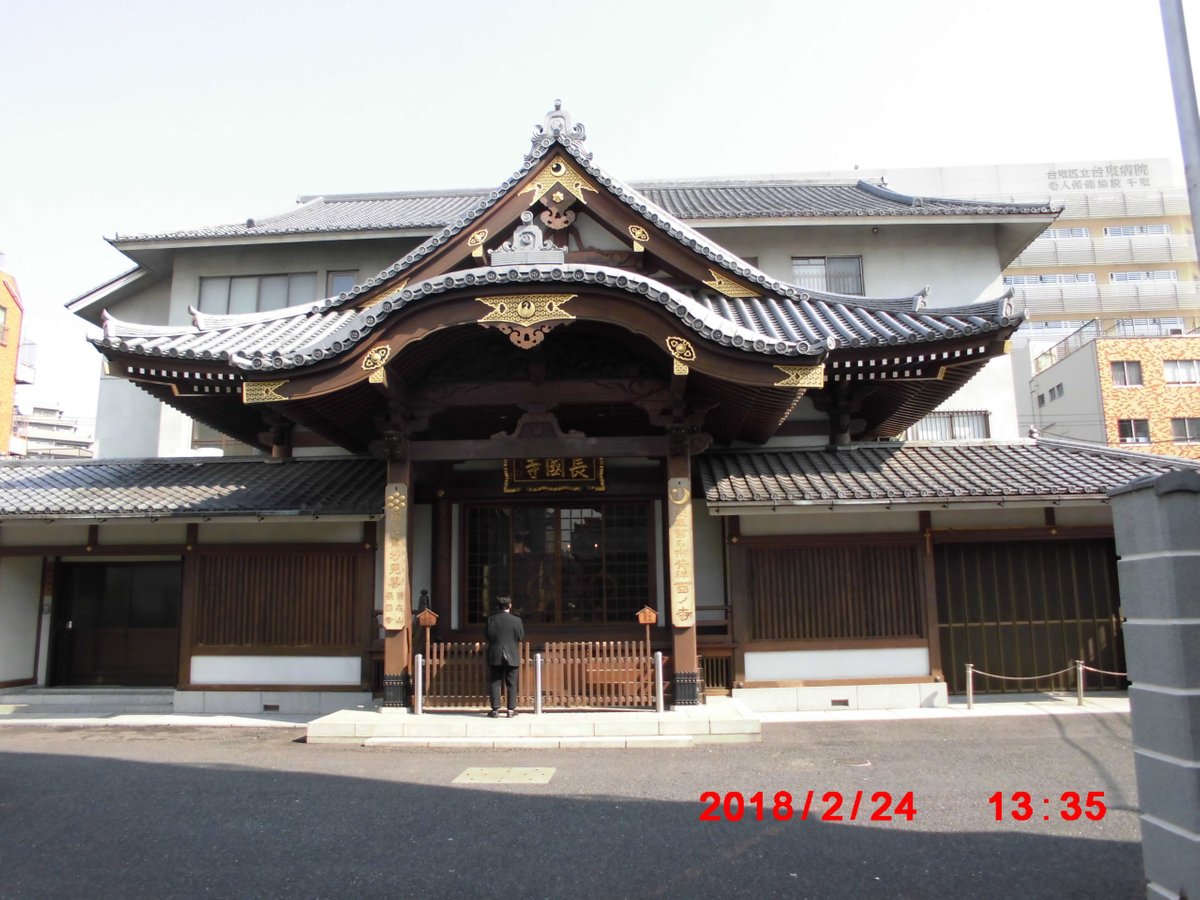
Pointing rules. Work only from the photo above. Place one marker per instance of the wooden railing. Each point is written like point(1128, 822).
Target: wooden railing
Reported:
point(574, 674)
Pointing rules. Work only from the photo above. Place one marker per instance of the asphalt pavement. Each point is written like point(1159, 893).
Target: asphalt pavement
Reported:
point(187, 812)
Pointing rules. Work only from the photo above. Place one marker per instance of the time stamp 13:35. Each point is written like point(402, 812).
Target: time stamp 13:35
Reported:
point(883, 806)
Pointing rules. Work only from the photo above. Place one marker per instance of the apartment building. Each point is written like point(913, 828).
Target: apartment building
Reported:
point(15, 358)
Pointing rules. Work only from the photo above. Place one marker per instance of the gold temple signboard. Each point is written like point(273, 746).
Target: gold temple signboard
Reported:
point(395, 557)
point(679, 538)
point(554, 473)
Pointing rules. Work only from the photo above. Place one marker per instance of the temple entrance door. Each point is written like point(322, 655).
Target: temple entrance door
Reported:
point(117, 624)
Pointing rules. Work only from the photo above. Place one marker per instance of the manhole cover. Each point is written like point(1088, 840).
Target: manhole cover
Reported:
point(505, 775)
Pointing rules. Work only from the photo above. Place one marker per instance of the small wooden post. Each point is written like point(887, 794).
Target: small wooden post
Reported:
point(427, 618)
point(647, 616)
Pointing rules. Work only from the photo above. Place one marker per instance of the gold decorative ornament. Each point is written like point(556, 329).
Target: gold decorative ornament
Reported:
point(802, 376)
point(387, 295)
point(262, 391)
point(558, 196)
point(379, 376)
point(526, 318)
point(683, 352)
point(681, 571)
point(376, 358)
point(475, 242)
point(559, 172)
point(681, 349)
point(640, 236)
point(727, 286)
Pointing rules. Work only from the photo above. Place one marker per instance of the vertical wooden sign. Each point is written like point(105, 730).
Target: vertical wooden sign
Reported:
point(679, 536)
point(395, 557)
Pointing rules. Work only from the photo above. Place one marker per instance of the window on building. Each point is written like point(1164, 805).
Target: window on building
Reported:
point(1056, 391)
point(1059, 234)
point(562, 565)
point(1127, 373)
point(1136, 230)
point(1161, 275)
point(340, 282)
point(1185, 431)
point(951, 425)
point(1041, 399)
point(206, 438)
point(1133, 431)
point(1182, 371)
point(225, 295)
point(837, 274)
point(1055, 278)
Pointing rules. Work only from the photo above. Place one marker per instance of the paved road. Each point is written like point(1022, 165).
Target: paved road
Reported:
point(166, 812)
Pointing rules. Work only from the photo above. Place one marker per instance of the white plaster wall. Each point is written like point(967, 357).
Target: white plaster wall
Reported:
point(708, 545)
point(992, 389)
point(272, 532)
point(28, 534)
point(795, 665)
point(960, 264)
point(127, 420)
point(1067, 516)
point(20, 607)
point(821, 521)
point(1077, 414)
point(989, 517)
point(142, 532)
point(420, 552)
point(276, 670)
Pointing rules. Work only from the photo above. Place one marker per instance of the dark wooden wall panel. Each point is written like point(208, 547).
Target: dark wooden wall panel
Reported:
point(281, 600)
point(1026, 608)
point(835, 592)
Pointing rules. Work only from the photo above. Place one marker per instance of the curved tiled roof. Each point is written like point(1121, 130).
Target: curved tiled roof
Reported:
point(808, 325)
point(718, 199)
point(191, 487)
point(909, 472)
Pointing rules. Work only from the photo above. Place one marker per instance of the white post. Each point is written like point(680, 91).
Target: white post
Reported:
point(658, 681)
point(970, 686)
point(1079, 682)
point(537, 684)
point(419, 683)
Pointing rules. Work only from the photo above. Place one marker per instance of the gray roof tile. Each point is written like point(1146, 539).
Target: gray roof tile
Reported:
point(896, 472)
point(699, 201)
point(191, 487)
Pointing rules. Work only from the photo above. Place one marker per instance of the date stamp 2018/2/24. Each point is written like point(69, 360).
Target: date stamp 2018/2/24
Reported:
point(883, 806)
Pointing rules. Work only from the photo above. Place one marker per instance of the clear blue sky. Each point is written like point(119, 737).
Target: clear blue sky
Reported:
point(143, 116)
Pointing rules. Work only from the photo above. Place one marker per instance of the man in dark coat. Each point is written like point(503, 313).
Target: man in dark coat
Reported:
point(504, 635)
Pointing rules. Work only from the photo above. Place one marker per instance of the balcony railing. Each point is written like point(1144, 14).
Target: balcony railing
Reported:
point(1069, 300)
point(1150, 248)
point(1123, 328)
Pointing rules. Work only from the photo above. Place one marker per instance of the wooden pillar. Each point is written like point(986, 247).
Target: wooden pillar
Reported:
point(933, 629)
point(739, 597)
point(443, 540)
point(682, 581)
point(397, 591)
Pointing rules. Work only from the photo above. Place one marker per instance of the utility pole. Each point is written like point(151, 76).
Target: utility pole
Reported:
point(1184, 89)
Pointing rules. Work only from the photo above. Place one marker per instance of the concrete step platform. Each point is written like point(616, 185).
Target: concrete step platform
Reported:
point(721, 720)
point(40, 702)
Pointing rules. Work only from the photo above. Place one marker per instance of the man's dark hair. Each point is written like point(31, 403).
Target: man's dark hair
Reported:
point(504, 602)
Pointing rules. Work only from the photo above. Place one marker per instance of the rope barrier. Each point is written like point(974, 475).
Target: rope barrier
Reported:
point(1078, 668)
point(1022, 677)
point(1106, 672)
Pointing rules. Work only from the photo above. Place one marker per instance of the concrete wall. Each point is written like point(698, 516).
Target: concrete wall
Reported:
point(1158, 542)
point(1078, 413)
point(20, 608)
point(960, 265)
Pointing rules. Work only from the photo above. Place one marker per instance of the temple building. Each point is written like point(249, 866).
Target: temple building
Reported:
point(673, 404)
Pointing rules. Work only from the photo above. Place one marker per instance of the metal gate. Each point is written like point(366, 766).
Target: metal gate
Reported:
point(1025, 608)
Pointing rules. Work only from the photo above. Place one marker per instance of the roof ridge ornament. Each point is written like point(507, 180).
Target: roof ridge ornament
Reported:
point(559, 125)
point(527, 246)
